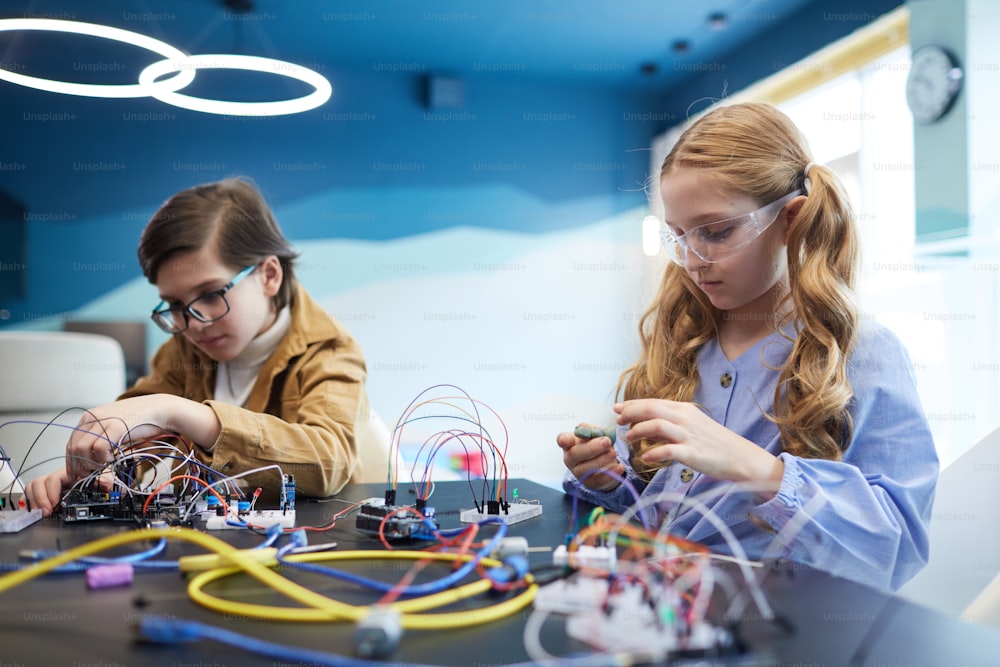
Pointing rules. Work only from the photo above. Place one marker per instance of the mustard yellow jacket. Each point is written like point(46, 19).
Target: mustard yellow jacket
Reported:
point(301, 413)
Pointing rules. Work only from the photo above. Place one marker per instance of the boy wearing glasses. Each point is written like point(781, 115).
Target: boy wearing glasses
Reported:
point(256, 373)
point(765, 415)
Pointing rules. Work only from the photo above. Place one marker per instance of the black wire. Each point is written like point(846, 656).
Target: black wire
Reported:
point(45, 427)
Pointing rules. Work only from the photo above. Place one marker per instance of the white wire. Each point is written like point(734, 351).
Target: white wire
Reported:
point(533, 636)
point(705, 589)
point(710, 515)
point(232, 478)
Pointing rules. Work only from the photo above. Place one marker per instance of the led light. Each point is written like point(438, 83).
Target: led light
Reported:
point(140, 89)
point(650, 235)
point(252, 63)
point(182, 66)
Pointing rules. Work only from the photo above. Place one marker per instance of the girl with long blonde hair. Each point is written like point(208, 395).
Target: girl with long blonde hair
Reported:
point(760, 388)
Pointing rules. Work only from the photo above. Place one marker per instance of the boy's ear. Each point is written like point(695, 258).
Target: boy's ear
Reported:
point(271, 275)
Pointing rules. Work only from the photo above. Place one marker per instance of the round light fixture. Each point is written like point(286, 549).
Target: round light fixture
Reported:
point(183, 67)
point(127, 90)
point(252, 63)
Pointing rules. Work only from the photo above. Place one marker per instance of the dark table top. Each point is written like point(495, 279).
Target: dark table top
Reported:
point(56, 620)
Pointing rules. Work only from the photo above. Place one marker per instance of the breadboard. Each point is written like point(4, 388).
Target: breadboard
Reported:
point(14, 521)
point(516, 512)
point(262, 519)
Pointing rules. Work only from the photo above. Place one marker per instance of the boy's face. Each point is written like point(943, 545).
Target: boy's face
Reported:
point(186, 277)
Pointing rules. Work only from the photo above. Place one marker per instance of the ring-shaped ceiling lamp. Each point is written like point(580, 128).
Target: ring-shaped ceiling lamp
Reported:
point(229, 61)
point(141, 89)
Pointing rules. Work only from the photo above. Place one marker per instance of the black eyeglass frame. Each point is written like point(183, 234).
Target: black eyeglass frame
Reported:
point(160, 313)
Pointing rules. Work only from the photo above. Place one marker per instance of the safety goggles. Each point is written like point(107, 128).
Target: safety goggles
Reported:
point(716, 241)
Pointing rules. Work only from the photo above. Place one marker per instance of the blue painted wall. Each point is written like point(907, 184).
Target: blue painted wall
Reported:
point(373, 163)
point(494, 245)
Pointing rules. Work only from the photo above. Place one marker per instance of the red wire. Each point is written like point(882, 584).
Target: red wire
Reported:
point(215, 493)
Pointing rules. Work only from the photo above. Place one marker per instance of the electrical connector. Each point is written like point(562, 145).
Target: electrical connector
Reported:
point(167, 630)
point(298, 538)
point(510, 546)
point(393, 523)
point(287, 503)
point(571, 596)
point(599, 558)
point(377, 635)
point(514, 568)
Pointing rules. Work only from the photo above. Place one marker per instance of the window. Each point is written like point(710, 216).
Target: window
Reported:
point(943, 306)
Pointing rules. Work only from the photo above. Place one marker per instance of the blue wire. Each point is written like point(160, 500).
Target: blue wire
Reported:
point(170, 631)
point(138, 560)
point(628, 487)
point(173, 631)
point(135, 558)
point(428, 588)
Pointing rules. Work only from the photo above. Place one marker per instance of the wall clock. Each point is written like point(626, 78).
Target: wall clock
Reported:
point(933, 83)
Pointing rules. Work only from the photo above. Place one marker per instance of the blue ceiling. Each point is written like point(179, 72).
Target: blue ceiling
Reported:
point(558, 102)
point(632, 43)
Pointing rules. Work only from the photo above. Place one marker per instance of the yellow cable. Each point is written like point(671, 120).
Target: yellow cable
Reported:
point(323, 608)
point(247, 564)
point(410, 620)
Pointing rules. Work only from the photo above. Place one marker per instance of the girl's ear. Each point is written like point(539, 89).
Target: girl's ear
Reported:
point(271, 275)
point(792, 209)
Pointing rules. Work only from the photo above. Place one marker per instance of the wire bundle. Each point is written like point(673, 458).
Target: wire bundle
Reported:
point(466, 423)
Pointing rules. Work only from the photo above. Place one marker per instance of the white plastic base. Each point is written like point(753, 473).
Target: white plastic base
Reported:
point(515, 513)
point(263, 519)
point(600, 558)
point(572, 596)
point(17, 520)
point(622, 620)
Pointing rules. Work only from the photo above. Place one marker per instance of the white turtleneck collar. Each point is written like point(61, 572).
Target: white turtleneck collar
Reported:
point(234, 379)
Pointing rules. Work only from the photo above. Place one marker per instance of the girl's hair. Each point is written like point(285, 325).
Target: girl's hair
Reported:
point(756, 150)
point(232, 216)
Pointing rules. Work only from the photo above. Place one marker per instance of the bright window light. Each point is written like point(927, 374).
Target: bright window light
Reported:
point(650, 235)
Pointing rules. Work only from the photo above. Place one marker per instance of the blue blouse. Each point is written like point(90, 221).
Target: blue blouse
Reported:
point(862, 518)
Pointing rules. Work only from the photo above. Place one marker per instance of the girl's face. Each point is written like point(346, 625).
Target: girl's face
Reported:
point(748, 282)
point(187, 276)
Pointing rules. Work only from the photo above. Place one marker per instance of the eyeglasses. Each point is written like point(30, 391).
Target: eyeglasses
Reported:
point(716, 241)
point(208, 307)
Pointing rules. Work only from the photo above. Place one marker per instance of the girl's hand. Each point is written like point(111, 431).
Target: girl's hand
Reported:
point(694, 439)
point(581, 455)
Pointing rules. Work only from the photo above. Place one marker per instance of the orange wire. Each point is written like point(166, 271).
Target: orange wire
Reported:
point(411, 574)
point(215, 493)
point(385, 519)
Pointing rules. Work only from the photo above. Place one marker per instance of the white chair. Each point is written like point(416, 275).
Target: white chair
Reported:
point(45, 373)
point(371, 436)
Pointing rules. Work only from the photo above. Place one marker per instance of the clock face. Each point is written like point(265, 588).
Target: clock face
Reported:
point(933, 83)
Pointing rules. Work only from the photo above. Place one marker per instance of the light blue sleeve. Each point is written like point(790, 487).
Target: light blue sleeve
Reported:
point(864, 517)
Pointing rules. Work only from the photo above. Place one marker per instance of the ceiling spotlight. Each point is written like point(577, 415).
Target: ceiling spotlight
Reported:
point(680, 46)
point(718, 21)
point(244, 6)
